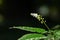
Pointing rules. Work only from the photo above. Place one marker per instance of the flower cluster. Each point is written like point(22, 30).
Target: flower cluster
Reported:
point(39, 17)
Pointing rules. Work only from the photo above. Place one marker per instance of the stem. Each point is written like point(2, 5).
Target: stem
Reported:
point(46, 26)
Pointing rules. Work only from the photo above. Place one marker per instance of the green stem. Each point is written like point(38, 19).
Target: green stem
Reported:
point(46, 26)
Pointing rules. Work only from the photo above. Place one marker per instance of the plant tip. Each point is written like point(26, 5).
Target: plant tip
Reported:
point(34, 14)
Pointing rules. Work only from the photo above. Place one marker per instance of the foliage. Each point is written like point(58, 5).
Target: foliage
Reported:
point(32, 36)
point(41, 33)
point(31, 29)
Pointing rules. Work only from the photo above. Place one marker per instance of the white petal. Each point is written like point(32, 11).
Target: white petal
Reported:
point(34, 14)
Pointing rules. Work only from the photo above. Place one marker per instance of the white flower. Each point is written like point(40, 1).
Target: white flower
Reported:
point(34, 15)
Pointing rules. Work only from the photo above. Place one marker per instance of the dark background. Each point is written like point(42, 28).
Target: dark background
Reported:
point(17, 13)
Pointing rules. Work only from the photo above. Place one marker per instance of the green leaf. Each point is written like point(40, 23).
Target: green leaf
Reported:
point(56, 27)
point(57, 34)
point(38, 30)
point(50, 37)
point(32, 37)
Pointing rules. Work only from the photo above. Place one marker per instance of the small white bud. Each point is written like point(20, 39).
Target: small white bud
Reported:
point(45, 20)
point(34, 15)
point(41, 22)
